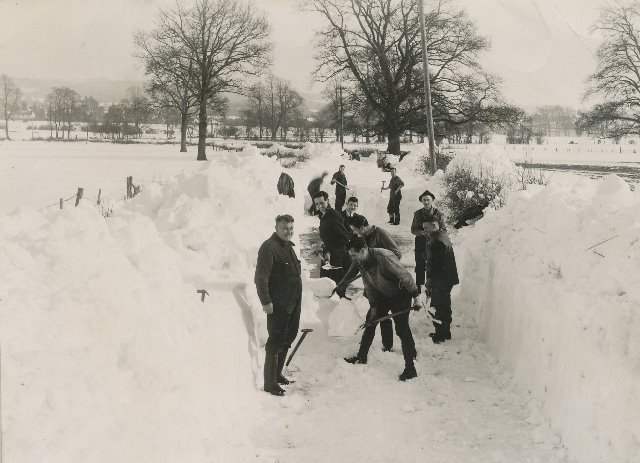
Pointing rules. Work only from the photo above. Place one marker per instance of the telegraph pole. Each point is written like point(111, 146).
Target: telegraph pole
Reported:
point(427, 90)
point(341, 120)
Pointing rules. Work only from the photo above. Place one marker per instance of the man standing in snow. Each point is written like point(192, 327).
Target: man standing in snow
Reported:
point(389, 287)
point(375, 237)
point(313, 188)
point(395, 196)
point(442, 275)
point(340, 181)
point(333, 234)
point(427, 213)
point(279, 287)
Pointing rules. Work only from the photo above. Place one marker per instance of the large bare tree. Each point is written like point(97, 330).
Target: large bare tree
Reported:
point(10, 96)
point(212, 45)
point(617, 77)
point(374, 45)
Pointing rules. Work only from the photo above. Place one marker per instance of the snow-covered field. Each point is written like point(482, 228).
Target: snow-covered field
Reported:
point(108, 354)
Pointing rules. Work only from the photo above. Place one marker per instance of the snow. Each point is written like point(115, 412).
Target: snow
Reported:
point(108, 348)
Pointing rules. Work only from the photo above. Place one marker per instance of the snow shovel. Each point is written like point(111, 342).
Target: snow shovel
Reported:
point(386, 317)
point(305, 331)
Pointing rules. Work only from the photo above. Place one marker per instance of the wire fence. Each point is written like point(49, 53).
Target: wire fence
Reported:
point(104, 203)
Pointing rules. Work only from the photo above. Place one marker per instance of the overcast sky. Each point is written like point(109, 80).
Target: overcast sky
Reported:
point(541, 48)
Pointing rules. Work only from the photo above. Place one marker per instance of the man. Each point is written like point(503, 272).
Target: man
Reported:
point(340, 181)
point(427, 213)
point(334, 236)
point(350, 213)
point(389, 287)
point(279, 286)
point(442, 275)
point(313, 188)
point(375, 238)
point(395, 196)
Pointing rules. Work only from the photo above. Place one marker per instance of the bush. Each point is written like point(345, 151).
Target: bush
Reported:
point(443, 158)
point(527, 174)
point(465, 189)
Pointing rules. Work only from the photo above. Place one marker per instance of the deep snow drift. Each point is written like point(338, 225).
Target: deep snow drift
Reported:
point(109, 355)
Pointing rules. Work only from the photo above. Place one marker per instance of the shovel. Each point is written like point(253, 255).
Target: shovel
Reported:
point(305, 331)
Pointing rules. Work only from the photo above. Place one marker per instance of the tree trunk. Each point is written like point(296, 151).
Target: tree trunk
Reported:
point(393, 143)
point(202, 129)
point(6, 128)
point(183, 131)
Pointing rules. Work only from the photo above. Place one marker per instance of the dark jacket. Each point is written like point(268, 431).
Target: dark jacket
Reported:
point(419, 217)
point(286, 185)
point(333, 233)
point(383, 276)
point(394, 183)
point(379, 238)
point(277, 275)
point(340, 177)
point(346, 220)
point(441, 261)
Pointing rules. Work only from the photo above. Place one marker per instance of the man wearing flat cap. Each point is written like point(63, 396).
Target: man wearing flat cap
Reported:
point(427, 213)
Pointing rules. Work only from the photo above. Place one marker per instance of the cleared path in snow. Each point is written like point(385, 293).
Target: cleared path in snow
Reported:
point(461, 408)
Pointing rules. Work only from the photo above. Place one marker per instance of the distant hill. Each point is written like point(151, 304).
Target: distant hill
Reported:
point(109, 91)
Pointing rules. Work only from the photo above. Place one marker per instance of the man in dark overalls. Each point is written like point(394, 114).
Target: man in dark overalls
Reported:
point(279, 287)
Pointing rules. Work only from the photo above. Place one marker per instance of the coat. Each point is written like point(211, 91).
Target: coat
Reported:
point(286, 185)
point(441, 261)
point(383, 276)
point(379, 238)
point(419, 217)
point(333, 233)
point(278, 277)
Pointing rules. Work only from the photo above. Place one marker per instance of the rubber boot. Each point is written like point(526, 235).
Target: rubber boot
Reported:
point(282, 357)
point(396, 220)
point(270, 374)
point(391, 218)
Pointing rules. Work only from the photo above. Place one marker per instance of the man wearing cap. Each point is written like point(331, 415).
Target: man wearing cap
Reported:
point(389, 287)
point(427, 213)
point(279, 286)
point(442, 275)
point(340, 181)
point(395, 196)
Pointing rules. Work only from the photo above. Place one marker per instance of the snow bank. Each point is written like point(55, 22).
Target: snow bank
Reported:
point(105, 343)
point(565, 316)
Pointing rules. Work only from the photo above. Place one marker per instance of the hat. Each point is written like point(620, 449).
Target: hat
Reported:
point(426, 193)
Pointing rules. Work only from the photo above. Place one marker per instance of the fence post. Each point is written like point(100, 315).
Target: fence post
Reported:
point(61, 202)
point(99, 194)
point(129, 186)
point(79, 196)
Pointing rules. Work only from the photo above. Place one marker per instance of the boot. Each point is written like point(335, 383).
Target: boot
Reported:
point(282, 356)
point(408, 373)
point(396, 219)
point(391, 219)
point(355, 359)
point(270, 374)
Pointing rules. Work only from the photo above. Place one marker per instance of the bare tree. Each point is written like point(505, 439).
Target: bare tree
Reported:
point(170, 67)
point(282, 102)
point(617, 78)
point(63, 108)
point(214, 44)
point(138, 108)
point(10, 96)
point(374, 45)
point(91, 112)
